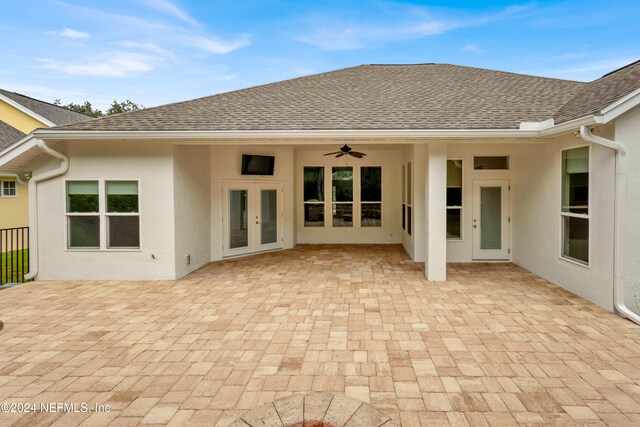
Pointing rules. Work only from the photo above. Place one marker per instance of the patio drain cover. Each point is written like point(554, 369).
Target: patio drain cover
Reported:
point(315, 410)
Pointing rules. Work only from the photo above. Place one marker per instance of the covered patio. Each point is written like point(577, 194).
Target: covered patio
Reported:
point(494, 344)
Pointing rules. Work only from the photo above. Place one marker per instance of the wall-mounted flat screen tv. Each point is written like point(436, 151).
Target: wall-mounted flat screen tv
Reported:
point(257, 165)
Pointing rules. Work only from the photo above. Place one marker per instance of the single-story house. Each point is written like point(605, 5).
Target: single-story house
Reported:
point(457, 164)
point(19, 115)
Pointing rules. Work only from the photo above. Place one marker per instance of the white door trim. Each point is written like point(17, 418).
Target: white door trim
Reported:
point(253, 219)
point(504, 253)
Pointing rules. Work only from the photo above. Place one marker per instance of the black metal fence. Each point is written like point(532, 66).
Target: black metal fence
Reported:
point(14, 254)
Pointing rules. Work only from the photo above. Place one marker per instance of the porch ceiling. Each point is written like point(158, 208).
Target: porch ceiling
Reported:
point(494, 344)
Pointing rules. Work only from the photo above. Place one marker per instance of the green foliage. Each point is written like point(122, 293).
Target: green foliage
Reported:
point(123, 107)
point(82, 203)
point(11, 266)
point(122, 203)
point(115, 108)
point(85, 108)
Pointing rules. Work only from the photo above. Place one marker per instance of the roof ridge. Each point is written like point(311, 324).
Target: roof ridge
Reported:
point(97, 119)
point(618, 69)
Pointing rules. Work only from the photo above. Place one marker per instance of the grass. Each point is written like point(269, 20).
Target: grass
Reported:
point(11, 264)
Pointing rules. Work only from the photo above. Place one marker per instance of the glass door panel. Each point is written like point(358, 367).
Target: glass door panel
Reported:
point(490, 218)
point(269, 216)
point(238, 219)
point(252, 217)
point(490, 230)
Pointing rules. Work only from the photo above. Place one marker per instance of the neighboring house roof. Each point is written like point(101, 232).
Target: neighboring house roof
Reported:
point(422, 96)
point(54, 113)
point(601, 93)
point(9, 135)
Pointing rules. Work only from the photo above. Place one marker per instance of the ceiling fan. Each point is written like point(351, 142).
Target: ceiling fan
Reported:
point(347, 150)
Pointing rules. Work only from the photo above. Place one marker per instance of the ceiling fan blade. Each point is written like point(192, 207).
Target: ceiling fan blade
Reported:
point(357, 153)
point(335, 152)
point(357, 156)
point(340, 155)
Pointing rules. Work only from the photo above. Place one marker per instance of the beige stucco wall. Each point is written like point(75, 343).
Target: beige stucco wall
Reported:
point(192, 201)
point(390, 159)
point(151, 163)
point(226, 162)
point(628, 134)
point(536, 221)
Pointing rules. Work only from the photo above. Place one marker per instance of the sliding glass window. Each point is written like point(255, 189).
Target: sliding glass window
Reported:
point(575, 204)
point(342, 196)
point(454, 199)
point(371, 196)
point(313, 196)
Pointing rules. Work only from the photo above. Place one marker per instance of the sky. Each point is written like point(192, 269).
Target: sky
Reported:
point(153, 52)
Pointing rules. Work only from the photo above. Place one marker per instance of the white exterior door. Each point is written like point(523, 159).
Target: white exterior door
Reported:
point(252, 217)
point(491, 219)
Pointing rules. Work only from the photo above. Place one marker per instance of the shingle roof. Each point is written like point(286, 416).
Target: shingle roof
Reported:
point(601, 92)
point(424, 96)
point(9, 135)
point(53, 113)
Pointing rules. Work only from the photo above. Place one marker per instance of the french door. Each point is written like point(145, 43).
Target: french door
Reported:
point(491, 219)
point(252, 217)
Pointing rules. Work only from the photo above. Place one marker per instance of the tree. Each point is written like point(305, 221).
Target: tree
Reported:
point(123, 107)
point(85, 108)
point(115, 108)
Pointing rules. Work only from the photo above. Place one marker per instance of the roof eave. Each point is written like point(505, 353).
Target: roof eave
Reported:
point(53, 134)
point(27, 111)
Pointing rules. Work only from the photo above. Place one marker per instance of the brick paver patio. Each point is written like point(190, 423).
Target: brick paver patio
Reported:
point(494, 345)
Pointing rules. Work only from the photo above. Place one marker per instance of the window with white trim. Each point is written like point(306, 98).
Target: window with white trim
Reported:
point(8, 188)
point(313, 196)
point(371, 196)
point(454, 199)
point(123, 217)
point(407, 205)
point(342, 196)
point(575, 204)
point(88, 214)
point(346, 207)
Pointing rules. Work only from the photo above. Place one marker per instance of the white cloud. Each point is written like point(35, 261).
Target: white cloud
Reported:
point(70, 33)
point(588, 71)
point(415, 22)
point(41, 92)
point(170, 8)
point(217, 46)
point(110, 64)
point(146, 46)
point(472, 48)
point(324, 38)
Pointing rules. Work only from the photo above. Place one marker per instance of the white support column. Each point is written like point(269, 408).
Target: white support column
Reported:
point(436, 212)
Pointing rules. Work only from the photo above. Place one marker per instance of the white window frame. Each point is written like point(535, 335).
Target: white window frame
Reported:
point(473, 163)
point(103, 214)
point(353, 198)
point(116, 214)
point(461, 207)
point(356, 201)
point(574, 215)
point(2, 188)
point(381, 202)
point(322, 203)
point(407, 202)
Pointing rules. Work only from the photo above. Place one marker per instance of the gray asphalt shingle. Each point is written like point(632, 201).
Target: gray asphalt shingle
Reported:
point(420, 96)
point(54, 113)
point(423, 96)
point(9, 135)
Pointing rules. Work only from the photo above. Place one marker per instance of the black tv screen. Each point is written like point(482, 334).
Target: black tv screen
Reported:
point(257, 165)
